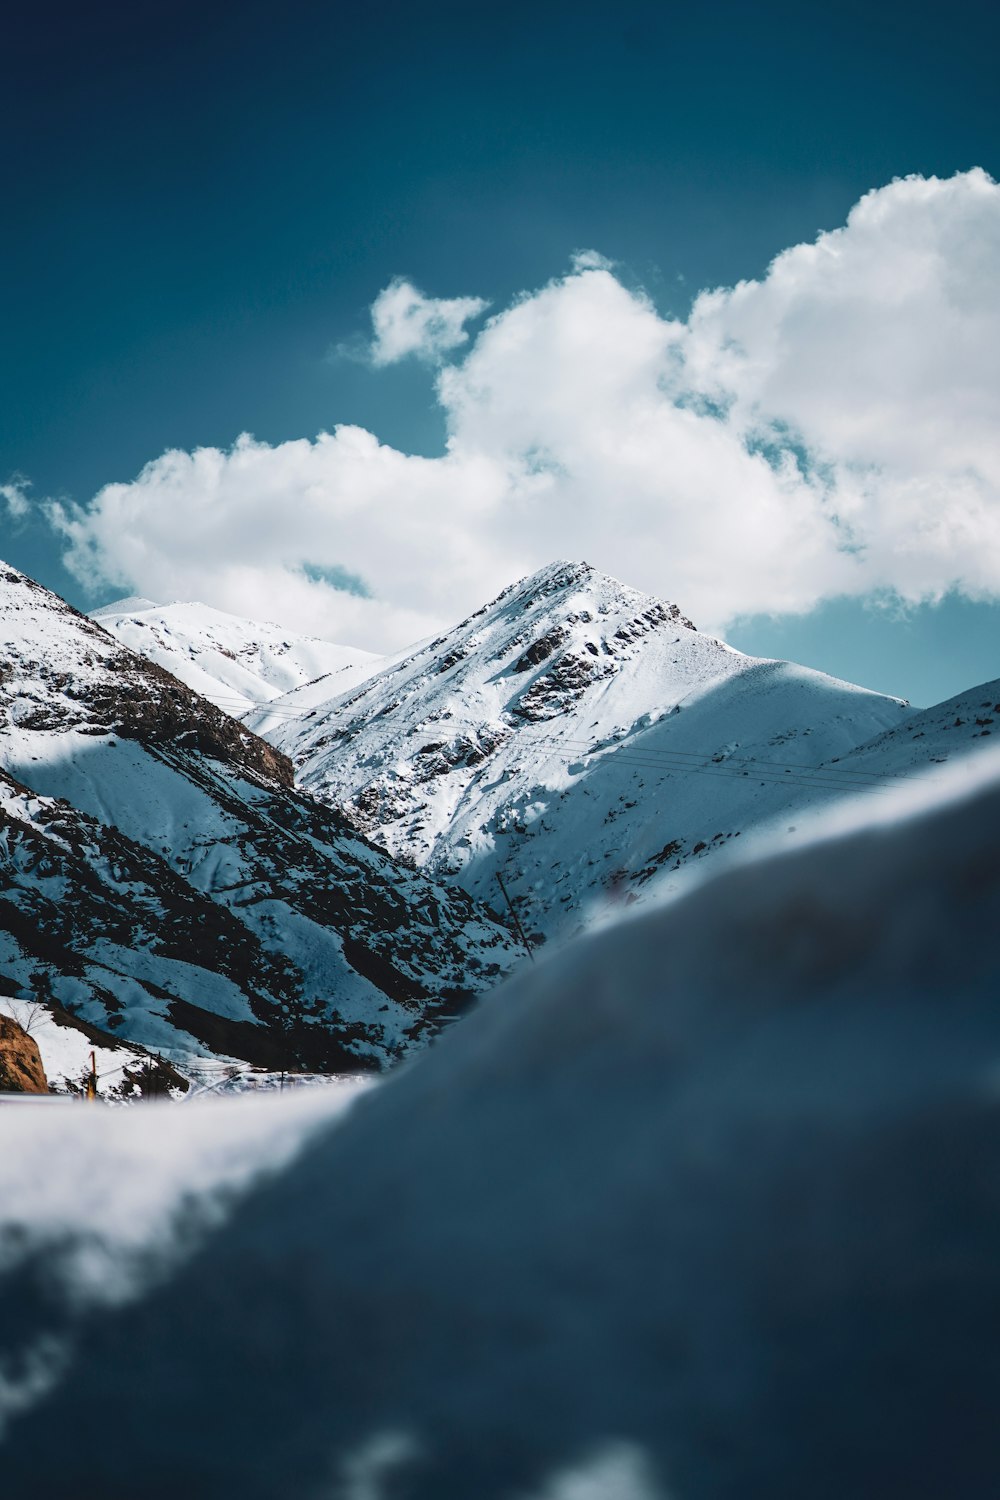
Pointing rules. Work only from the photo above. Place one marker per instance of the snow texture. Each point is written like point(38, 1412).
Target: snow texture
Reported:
point(705, 1207)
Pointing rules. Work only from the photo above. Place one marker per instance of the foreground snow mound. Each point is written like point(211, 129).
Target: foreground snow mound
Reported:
point(579, 739)
point(707, 1207)
point(112, 1201)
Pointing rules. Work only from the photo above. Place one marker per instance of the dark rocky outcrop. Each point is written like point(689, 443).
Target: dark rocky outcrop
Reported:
point(65, 671)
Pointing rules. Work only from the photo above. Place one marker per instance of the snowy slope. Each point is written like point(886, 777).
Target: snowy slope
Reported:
point(954, 730)
point(212, 907)
point(236, 663)
point(97, 936)
point(104, 933)
point(703, 1207)
point(579, 738)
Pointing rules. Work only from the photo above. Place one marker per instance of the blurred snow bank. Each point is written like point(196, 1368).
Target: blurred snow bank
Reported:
point(122, 1194)
point(711, 1200)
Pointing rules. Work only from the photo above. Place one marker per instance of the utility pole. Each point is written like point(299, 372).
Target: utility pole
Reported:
point(92, 1078)
point(517, 920)
point(154, 1077)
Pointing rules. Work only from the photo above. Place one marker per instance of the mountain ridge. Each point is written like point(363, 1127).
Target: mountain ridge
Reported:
point(235, 662)
point(555, 737)
point(183, 890)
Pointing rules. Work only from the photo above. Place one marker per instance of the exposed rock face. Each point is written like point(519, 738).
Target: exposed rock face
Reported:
point(21, 1070)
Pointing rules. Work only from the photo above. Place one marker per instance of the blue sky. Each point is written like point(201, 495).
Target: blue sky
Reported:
point(201, 210)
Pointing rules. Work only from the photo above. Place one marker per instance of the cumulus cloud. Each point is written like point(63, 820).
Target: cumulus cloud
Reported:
point(827, 430)
point(406, 322)
point(878, 349)
point(253, 529)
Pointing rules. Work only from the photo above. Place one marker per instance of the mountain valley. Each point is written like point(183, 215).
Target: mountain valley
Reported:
point(168, 885)
point(283, 854)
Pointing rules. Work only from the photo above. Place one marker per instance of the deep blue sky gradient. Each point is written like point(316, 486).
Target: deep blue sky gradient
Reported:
point(201, 199)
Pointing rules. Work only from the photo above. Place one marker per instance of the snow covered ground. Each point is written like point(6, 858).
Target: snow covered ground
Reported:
point(66, 1049)
point(705, 1206)
point(118, 1185)
point(581, 741)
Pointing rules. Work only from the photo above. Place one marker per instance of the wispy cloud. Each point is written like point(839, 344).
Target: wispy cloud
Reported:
point(14, 494)
point(827, 430)
point(405, 322)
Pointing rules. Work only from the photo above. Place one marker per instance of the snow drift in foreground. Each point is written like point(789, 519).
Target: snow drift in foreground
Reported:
point(706, 1207)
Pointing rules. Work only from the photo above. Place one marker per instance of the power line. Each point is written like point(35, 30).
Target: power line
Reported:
point(248, 705)
point(517, 920)
point(811, 776)
point(735, 760)
point(764, 777)
point(796, 774)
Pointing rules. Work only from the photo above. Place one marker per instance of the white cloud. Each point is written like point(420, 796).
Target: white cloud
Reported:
point(406, 322)
point(243, 529)
point(15, 497)
point(878, 347)
point(830, 429)
point(591, 260)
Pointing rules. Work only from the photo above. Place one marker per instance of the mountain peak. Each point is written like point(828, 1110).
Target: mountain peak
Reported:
point(132, 604)
point(572, 736)
point(562, 581)
point(562, 574)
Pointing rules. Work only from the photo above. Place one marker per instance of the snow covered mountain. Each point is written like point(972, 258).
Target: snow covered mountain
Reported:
point(166, 883)
point(705, 1206)
point(579, 739)
point(235, 663)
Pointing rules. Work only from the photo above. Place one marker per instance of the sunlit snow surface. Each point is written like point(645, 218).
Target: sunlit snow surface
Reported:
point(578, 738)
point(706, 1207)
point(236, 663)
